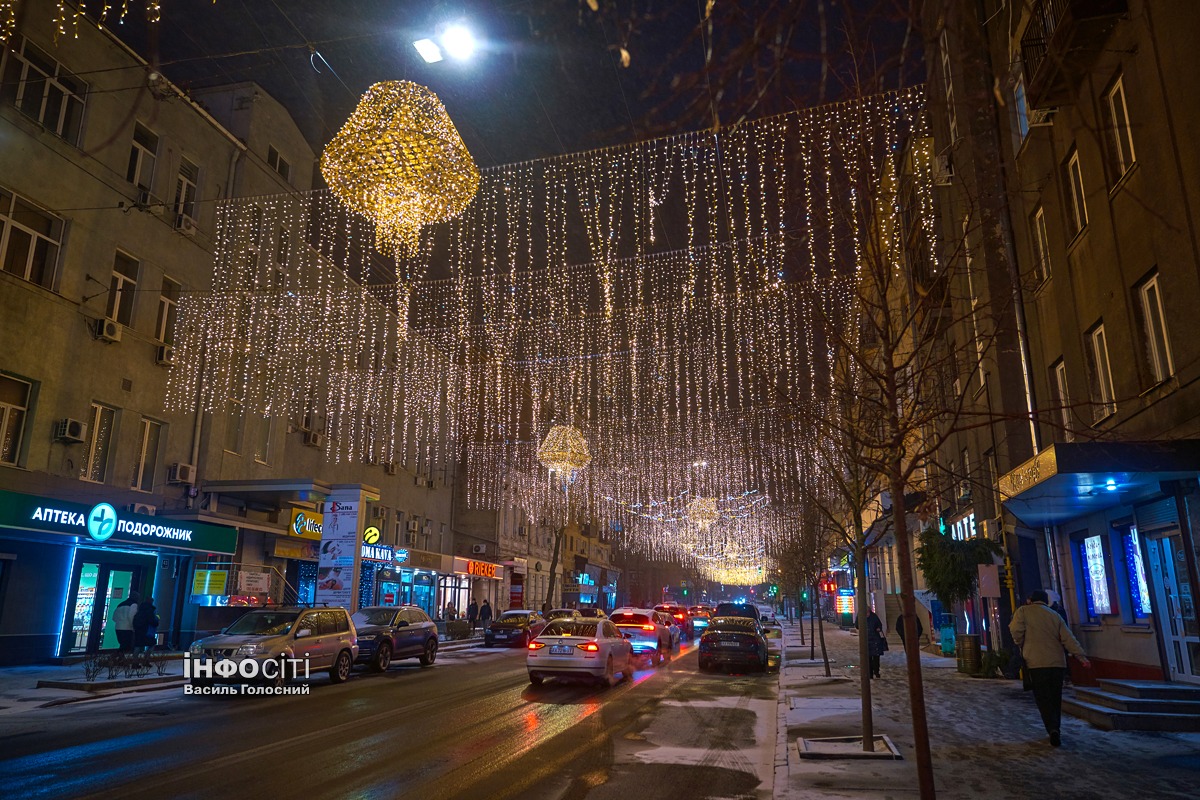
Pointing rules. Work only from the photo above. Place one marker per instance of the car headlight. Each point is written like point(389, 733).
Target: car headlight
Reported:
point(253, 650)
point(197, 648)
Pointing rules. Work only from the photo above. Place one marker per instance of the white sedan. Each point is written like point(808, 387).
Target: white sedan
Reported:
point(580, 648)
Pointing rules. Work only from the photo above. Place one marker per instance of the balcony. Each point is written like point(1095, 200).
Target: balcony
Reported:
point(1061, 43)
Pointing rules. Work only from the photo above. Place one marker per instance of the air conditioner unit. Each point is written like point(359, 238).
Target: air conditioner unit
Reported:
point(427, 531)
point(1041, 117)
point(943, 170)
point(479, 549)
point(185, 224)
point(142, 508)
point(413, 526)
point(410, 538)
point(166, 355)
point(148, 202)
point(314, 439)
point(181, 473)
point(70, 430)
point(378, 512)
point(108, 331)
point(390, 467)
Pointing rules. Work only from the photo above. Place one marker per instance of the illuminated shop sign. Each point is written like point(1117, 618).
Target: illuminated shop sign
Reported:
point(378, 552)
point(102, 523)
point(306, 524)
point(479, 569)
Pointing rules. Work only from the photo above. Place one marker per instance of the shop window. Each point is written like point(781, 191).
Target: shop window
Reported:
point(1139, 592)
point(1095, 584)
point(14, 413)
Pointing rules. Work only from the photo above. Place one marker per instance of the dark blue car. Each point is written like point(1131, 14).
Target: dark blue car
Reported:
point(386, 633)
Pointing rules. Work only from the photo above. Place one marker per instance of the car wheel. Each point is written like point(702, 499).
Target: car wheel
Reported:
point(525, 640)
point(704, 665)
point(382, 659)
point(656, 657)
point(430, 655)
point(610, 677)
point(536, 680)
point(340, 670)
point(667, 652)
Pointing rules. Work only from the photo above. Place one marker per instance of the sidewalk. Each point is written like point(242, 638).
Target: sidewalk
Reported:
point(987, 738)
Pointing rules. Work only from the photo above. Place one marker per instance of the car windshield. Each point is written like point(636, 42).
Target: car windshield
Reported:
point(513, 618)
point(629, 618)
point(263, 623)
point(733, 625)
point(737, 610)
point(589, 612)
point(559, 613)
point(373, 616)
point(565, 627)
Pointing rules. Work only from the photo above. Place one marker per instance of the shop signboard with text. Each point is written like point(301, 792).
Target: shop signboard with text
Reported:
point(339, 544)
point(306, 524)
point(478, 569)
point(103, 523)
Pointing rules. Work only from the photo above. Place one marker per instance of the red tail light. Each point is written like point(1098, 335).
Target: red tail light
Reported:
point(536, 645)
point(679, 616)
point(647, 627)
point(590, 647)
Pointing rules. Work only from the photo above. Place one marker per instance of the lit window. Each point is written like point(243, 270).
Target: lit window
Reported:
point(14, 411)
point(1139, 591)
point(1103, 395)
point(1158, 350)
point(122, 289)
point(100, 436)
point(1076, 204)
point(1041, 245)
point(151, 438)
point(1120, 137)
point(43, 89)
point(29, 240)
point(143, 152)
point(1095, 576)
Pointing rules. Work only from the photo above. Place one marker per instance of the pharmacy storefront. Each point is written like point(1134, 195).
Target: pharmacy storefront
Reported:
point(67, 566)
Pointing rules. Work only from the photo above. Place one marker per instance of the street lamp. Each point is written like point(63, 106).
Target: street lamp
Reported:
point(455, 40)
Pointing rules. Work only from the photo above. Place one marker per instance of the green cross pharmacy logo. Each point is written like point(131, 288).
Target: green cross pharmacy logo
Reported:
point(102, 522)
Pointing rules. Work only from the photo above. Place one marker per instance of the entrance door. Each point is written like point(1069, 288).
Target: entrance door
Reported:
point(1173, 591)
point(100, 588)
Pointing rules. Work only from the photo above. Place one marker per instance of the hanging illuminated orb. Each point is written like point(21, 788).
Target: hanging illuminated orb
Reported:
point(703, 512)
point(564, 450)
point(400, 162)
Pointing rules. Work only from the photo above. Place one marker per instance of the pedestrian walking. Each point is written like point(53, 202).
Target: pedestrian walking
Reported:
point(485, 614)
point(451, 611)
point(122, 619)
point(900, 629)
point(144, 620)
point(1042, 634)
point(876, 641)
point(472, 614)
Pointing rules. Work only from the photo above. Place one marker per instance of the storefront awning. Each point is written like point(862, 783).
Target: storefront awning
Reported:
point(273, 493)
point(1068, 480)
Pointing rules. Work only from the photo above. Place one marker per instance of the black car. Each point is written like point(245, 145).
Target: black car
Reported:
point(517, 626)
point(734, 641)
point(386, 633)
point(736, 610)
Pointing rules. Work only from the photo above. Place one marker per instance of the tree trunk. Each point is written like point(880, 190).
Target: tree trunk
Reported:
point(864, 641)
point(912, 655)
point(824, 654)
point(558, 537)
point(812, 628)
point(800, 606)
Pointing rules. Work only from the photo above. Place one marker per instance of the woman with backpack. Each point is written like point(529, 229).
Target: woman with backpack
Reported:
point(145, 625)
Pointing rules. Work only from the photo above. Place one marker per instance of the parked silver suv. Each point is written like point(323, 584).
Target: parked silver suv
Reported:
point(324, 636)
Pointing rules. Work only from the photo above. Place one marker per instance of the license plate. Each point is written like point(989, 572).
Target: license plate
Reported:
point(729, 644)
point(560, 649)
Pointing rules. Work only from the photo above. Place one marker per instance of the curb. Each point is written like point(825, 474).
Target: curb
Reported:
point(99, 686)
point(62, 701)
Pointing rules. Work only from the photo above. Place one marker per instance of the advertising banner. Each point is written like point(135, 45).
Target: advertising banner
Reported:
point(254, 583)
point(339, 546)
point(209, 581)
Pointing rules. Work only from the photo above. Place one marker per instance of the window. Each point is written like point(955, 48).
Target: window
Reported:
point(1041, 245)
point(185, 190)
point(14, 411)
point(1095, 577)
point(964, 485)
point(1139, 592)
point(1062, 399)
point(276, 162)
point(948, 82)
point(142, 155)
point(1119, 136)
point(100, 437)
point(1154, 327)
point(43, 90)
point(168, 306)
point(29, 240)
point(147, 463)
point(1076, 206)
point(122, 289)
point(1103, 395)
point(262, 441)
point(233, 426)
point(1021, 108)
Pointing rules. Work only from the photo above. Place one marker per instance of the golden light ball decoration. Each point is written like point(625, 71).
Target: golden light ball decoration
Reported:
point(703, 512)
point(564, 450)
point(400, 162)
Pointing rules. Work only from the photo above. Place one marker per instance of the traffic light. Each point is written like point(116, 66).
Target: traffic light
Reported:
point(804, 595)
point(685, 592)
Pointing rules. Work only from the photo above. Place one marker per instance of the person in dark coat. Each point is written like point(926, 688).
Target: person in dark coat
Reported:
point(144, 621)
point(472, 614)
point(876, 641)
point(900, 629)
point(485, 614)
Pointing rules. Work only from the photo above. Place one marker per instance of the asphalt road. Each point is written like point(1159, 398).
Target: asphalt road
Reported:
point(470, 726)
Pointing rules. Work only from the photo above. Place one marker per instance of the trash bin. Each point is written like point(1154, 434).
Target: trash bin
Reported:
point(970, 659)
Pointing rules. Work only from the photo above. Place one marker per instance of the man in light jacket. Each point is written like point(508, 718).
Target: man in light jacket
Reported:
point(1042, 634)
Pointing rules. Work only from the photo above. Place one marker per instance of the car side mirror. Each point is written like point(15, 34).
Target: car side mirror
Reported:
point(300, 634)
